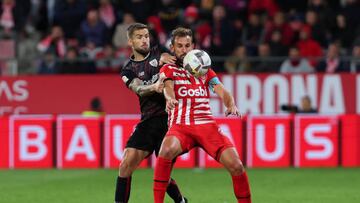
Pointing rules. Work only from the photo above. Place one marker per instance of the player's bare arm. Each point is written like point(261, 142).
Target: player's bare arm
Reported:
point(228, 100)
point(140, 89)
point(169, 95)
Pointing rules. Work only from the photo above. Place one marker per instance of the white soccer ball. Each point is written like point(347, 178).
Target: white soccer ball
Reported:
point(197, 62)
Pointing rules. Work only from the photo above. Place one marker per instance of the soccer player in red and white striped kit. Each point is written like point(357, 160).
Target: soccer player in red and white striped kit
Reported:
point(191, 123)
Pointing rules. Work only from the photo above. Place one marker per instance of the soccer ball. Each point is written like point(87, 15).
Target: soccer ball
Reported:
point(197, 62)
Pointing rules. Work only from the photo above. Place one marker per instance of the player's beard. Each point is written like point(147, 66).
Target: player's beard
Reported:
point(179, 60)
point(143, 51)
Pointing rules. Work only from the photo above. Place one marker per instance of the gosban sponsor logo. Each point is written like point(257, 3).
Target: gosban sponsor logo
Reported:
point(183, 92)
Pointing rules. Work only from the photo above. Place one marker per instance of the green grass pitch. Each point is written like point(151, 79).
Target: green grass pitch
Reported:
point(200, 186)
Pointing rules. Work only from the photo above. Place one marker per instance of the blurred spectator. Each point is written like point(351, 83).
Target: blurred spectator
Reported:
point(27, 52)
point(308, 47)
point(13, 15)
point(90, 50)
point(140, 9)
point(324, 12)
point(351, 11)
point(120, 38)
point(295, 64)
point(48, 64)
point(280, 24)
point(343, 33)
point(355, 63)
point(253, 33)
point(265, 64)
point(96, 108)
point(292, 6)
point(157, 32)
point(237, 9)
point(107, 14)
point(263, 6)
point(93, 29)
point(191, 15)
point(53, 43)
point(108, 62)
point(69, 14)
point(72, 64)
point(46, 15)
point(333, 63)
point(222, 38)
point(276, 47)
point(169, 14)
point(238, 61)
point(305, 106)
point(318, 31)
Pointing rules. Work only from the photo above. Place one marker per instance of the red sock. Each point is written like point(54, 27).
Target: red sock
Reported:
point(161, 178)
point(241, 188)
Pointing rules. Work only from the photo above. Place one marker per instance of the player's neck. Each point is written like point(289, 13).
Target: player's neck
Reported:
point(138, 56)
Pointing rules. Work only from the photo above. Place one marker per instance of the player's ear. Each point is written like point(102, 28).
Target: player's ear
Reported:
point(129, 42)
point(172, 48)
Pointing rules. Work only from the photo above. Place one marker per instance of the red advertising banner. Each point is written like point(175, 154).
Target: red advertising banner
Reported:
point(68, 94)
point(78, 142)
point(4, 142)
point(268, 141)
point(31, 141)
point(316, 141)
point(350, 144)
point(117, 131)
point(255, 93)
point(232, 128)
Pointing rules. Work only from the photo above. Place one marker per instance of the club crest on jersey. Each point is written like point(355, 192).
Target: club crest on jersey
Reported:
point(154, 63)
point(183, 92)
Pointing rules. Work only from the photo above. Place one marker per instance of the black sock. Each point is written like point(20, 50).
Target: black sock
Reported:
point(123, 186)
point(173, 191)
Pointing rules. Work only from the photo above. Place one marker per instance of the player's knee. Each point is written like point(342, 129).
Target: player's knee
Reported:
point(167, 152)
point(236, 167)
point(126, 167)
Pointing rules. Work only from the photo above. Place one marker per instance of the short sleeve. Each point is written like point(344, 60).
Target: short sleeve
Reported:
point(210, 75)
point(127, 76)
point(167, 71)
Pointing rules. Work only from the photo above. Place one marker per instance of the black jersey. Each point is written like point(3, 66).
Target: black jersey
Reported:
point(147, 71)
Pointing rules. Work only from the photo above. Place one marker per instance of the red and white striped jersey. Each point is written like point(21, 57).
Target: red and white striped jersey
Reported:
point(192, 94)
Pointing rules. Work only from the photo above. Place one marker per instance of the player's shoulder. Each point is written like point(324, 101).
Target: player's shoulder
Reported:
point(169, 67)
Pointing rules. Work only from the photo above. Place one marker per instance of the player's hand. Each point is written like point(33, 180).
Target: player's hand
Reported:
point(166, 58)
point(159, 85)
point(233, 110)
point(170, 104)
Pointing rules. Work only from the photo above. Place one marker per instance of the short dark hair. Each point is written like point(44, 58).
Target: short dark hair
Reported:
point(181, 32)
point(134, 27)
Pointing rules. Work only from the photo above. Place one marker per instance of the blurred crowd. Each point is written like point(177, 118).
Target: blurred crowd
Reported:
point(89, 36)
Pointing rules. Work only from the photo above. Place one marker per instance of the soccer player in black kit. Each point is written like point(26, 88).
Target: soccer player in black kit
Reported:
point(141, 75)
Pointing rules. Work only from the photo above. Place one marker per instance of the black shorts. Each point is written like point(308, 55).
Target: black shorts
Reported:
point(148, 134)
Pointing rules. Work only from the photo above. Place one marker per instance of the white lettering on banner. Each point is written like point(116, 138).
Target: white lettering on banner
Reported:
point(313, 140)
point(26, 142)
point(261, 143)
point(15, 92)
point(299, 89)
point(358, 94)
point(118, 147)
point(332, 97)
point(248, 101)
point(79, 136)
point(12, 110)
point(272, 83)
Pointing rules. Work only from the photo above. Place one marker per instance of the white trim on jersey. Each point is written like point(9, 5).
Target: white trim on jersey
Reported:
point(202, 100)
point(187, 113)
point(180, 107)
point(182, 82)
point(202, 112)
point(202, 105)
point(172, 112)
point(199, 122)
